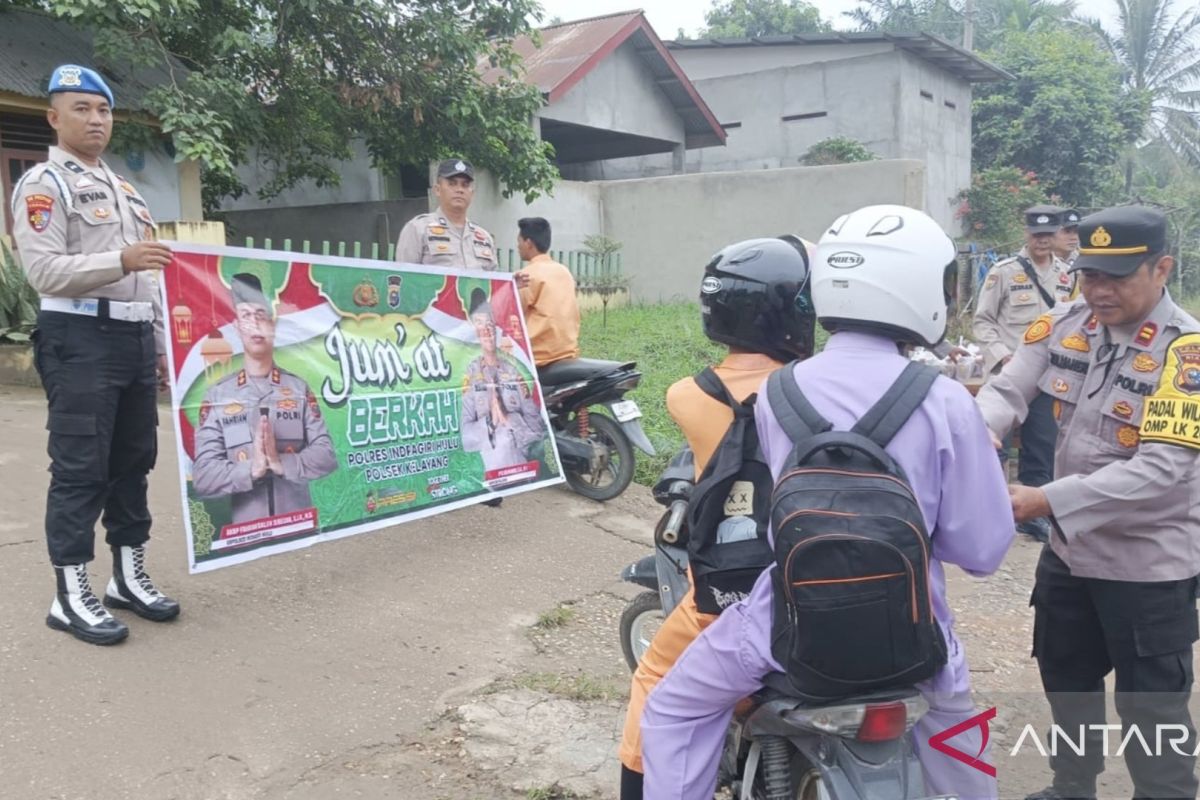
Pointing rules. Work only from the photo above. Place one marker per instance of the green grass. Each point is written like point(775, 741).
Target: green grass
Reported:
point(554, 792)
point(583, 688)
point(668, 343)
point(555, 618)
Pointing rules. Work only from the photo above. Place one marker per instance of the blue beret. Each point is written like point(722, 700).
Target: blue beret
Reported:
point(74, 78)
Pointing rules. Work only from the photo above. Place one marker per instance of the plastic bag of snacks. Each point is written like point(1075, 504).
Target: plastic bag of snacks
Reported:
point(966, 368)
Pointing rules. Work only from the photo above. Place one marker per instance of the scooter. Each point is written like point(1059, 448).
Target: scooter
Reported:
point(596, 450)
point(778, 747)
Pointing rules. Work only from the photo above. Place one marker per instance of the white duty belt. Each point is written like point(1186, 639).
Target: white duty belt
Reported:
point(100, 307)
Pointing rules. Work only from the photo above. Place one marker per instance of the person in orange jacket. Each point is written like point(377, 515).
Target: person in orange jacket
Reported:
point(753, 300)
point(547, 296)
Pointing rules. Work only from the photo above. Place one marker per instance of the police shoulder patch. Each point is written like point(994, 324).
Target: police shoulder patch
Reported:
point(1172, 413)
point(1039, 329)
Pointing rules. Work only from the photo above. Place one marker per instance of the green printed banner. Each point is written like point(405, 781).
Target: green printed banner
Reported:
point(321, 398)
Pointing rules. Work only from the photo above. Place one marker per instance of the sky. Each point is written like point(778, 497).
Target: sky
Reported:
point(668, 16)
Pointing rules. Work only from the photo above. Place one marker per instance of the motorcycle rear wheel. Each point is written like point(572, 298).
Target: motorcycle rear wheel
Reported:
point(640, 620)
point(614, 477)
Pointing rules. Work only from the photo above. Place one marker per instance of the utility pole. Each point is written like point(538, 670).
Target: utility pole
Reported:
point(968, 42)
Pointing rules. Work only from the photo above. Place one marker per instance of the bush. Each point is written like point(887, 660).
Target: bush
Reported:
point(992, 209)
point(838, 150)
point(18, 301)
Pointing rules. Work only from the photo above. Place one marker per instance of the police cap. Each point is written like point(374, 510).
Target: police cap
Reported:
point(455, 166)
point(247, 288)
point(1071, 217)
point(1118, 240)
point(74, 78)
point(1043, 219)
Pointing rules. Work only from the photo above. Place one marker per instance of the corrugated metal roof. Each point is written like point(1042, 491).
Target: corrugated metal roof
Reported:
point(933, 49)
point(32, 44)
point(571, 50)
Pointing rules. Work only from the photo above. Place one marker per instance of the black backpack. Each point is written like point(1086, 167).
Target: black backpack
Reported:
point(852, 612)
point(727, 513)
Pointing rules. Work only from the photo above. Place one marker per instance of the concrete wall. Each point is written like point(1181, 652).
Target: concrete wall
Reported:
point(715, 62)
point(671, 226)
point(874, 98)
point(378, 221)
point(360, 183)
point(939, 135)
point(757, 103)
point(619, 95)
point(574, 212)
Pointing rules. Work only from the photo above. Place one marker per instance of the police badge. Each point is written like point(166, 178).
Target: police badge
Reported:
point(1187, 373)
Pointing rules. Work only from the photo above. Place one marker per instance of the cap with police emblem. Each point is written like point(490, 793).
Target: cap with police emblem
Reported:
point(74, 78)
point(1117, 240)
point(247, 288)
point(455, 166)
point(1070, 218)
point(1043, 219)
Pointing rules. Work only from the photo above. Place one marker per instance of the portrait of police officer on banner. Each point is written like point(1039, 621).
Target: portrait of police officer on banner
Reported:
point(261, 438)
point(500, 419)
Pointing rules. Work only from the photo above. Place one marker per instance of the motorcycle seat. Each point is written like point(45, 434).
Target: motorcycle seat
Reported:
point(771, 693)
point(579, 369)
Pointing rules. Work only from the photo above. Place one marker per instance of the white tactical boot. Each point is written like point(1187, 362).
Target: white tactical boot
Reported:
point(130, 587)
point(78, 612)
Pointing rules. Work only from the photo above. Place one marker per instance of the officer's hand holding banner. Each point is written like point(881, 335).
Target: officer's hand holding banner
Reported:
point(317, 400)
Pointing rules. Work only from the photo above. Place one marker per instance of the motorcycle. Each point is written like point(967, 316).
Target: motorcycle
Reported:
point(778, 747)
point(596, 450)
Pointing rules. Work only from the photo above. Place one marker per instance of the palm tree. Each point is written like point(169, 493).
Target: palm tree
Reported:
point(998, 17)
point(1160, 59)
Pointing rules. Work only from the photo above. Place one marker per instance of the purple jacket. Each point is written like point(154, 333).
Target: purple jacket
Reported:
point(947, 454)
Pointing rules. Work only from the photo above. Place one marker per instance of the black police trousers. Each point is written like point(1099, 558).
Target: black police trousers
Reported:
point(1085, 628)
point(100, 380)
point(1039, 432)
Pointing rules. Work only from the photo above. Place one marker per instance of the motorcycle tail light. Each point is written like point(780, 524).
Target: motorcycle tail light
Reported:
point(883, 723)
point(629, 383)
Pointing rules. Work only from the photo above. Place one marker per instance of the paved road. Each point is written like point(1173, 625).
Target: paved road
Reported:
point(282, 666)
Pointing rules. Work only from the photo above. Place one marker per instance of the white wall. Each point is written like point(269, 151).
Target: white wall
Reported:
point(158, 182)
point(360, 183)
point(937, 134)
point(715, 62)
point(574, 212)
point(620, 94)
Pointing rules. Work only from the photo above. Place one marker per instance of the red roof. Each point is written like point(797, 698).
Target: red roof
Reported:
point(571, 50)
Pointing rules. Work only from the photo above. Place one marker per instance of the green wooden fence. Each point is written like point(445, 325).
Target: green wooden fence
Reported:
point(583, 264)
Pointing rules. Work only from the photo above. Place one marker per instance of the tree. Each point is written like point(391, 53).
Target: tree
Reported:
point(742, 18)
point(1065, 117)
point(1160, 58)
point(296, 83)
point(994, 19)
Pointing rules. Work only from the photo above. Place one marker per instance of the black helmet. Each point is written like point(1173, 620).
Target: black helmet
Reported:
point(755, 296)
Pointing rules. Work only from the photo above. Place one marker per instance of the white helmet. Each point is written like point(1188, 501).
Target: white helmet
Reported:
point(884, 268)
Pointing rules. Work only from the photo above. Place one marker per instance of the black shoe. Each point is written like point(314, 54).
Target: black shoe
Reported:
point(1037, 529)
point(1050, 793)
point(76, 610)
point(494, 502)
point(131, 588)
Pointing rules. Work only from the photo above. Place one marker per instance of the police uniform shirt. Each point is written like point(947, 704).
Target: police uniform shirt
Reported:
point(71, 222)
point(1009, 301)
point(431, 239)
point(503, 445)
point(1124, 505)
point(225, 440)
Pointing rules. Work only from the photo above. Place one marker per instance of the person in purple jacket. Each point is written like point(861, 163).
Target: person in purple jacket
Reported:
point(879, 283)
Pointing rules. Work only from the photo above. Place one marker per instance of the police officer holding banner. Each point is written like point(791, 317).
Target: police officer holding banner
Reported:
point(1116, 588)
point(85, 239)
point(1014, 293)
point(447, 238)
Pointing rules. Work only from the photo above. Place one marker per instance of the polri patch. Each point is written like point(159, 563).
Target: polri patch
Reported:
point(1039, 330)
point(38, 209)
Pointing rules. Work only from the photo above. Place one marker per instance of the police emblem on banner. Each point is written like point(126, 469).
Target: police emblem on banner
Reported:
point(1187, 373)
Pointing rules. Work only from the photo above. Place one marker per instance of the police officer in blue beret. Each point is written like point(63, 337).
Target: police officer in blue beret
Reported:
point(86, 242)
